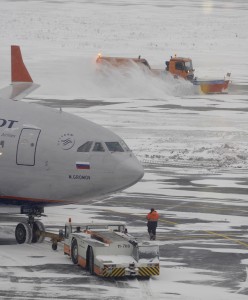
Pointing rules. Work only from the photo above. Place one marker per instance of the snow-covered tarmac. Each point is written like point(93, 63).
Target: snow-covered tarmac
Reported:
point(193, 147)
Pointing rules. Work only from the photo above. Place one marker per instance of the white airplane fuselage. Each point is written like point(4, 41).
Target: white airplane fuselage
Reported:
point(41, 162)
point(49, 157)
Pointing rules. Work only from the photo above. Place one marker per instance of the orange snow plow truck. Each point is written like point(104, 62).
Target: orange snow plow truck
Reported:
point(179, 67)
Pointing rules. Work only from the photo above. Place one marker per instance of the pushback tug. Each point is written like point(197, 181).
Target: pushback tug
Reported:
point(108, 250)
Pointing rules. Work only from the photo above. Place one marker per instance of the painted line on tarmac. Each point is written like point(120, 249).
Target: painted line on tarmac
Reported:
point(168, 222)
point(227, 238)
point(212, 233)
point(208, 232)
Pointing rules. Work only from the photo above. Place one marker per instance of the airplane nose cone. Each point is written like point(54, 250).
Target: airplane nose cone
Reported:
point(128, 173)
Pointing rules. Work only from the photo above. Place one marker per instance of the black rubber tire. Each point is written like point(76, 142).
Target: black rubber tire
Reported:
point(91, 261)
point(23, 233)
point(54, 246)
point(74, 251)
point(37, 228)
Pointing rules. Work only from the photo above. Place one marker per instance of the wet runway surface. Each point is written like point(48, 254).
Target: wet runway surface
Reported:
point(198, 233)
point(202, 201)
point(202, 242)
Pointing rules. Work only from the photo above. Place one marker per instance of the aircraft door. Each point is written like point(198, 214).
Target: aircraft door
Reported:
point(26, 147)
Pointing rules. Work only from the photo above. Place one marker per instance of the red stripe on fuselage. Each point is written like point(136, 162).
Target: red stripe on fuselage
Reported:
point(9, 199)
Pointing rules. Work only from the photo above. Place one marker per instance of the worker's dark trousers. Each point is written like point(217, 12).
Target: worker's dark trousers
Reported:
point(151, 227)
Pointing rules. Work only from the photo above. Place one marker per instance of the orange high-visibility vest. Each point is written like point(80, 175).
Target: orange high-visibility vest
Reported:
point(152, 216)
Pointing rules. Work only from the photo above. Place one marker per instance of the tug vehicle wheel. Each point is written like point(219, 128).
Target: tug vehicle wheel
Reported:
point(54, 246)
point(74, 251)
point(91, 261)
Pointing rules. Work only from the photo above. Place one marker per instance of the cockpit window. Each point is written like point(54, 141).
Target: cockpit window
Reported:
point(98, 147)
point(85, 147)
point(124, 146)
point(114, 147)
point(120, 146)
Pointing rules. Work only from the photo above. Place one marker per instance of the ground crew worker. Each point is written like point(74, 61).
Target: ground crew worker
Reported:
point(152, 223)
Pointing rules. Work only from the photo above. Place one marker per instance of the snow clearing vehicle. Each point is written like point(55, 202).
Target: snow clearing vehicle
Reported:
point(107, 250)
point(183, 67)
point(178, 67)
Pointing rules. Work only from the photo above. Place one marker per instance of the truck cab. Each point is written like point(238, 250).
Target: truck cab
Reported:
point(180, 67)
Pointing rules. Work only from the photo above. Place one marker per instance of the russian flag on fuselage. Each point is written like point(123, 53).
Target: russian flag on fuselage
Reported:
point(83, 165)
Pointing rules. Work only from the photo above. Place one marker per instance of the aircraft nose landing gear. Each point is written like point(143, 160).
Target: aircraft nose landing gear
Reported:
point(23, 233)
point(31, 230)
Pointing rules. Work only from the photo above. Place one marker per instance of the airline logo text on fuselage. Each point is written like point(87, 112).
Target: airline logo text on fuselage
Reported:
point(7, 123)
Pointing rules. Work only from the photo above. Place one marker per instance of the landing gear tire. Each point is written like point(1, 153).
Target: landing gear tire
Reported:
point(74, 252)
point(38, 227)
point(23, 233)
point(91, 261)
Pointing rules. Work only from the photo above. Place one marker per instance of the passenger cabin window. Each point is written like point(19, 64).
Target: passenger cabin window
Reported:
point(114, 147)
point(98, 147)
point(85, 147)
